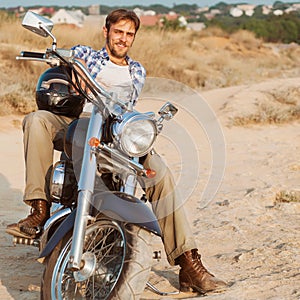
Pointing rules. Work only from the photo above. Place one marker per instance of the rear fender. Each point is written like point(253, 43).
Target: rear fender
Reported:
point(119, 206)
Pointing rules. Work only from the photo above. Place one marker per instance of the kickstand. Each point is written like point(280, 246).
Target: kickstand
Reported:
point(157, 291)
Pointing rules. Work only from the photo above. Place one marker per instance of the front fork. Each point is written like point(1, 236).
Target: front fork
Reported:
point(86, 188)
point(129, 182)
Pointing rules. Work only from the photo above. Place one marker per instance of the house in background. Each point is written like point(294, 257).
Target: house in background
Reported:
point(236, 12)
point(94, 9)
point(241, 9)
point(73, 17)
point(157, 20)
point(198, 26)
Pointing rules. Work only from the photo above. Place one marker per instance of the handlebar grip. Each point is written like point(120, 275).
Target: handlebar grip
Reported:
point(32, 54)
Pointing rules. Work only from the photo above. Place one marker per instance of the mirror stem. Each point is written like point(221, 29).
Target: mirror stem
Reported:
point(54, 44)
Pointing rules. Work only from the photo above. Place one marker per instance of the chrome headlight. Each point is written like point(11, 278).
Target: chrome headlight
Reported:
point(135, 133)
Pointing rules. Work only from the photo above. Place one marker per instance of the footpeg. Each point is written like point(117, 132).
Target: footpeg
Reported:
point(25, 241)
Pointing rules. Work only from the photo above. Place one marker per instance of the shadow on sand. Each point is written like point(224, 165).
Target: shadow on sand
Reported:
point(20, 273)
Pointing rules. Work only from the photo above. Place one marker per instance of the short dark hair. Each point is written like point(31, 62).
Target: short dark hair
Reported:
point(122, 14)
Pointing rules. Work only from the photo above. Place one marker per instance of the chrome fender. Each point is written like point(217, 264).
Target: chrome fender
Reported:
point(116, 205)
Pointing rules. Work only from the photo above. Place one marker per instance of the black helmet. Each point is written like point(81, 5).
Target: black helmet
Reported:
point(54, 93)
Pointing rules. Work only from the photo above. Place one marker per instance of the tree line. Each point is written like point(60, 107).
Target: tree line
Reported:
point(270, 28)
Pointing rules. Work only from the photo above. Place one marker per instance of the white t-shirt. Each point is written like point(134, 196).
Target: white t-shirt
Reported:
point(117, 79)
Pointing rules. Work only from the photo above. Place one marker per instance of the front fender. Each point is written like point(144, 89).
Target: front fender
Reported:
point(65, 226)
point(119, 206)
point(126, 208)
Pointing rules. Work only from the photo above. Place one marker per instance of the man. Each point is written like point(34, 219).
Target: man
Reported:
point(112, 67)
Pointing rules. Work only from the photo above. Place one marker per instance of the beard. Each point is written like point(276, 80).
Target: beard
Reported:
point(118, 53)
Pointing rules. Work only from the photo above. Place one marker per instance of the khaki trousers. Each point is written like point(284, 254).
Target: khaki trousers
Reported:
point(168, 208)
point(44, 130)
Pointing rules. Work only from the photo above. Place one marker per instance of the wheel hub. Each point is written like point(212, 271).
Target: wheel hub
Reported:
point(88, 267)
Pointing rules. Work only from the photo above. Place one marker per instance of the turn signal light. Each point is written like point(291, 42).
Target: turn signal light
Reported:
point(94, 142)
point(150, 173)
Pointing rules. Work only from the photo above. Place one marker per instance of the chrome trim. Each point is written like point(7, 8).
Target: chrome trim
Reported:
point(130, 184)
point(55, 217)
point(86, 188)
point(59, 214)
point(55, 207)
point(57, 180)
point(106, 152)
point(37, 24)
point(158, 292)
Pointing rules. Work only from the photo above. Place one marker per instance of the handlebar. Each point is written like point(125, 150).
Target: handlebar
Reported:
point(56, 57)
point(98, 88)
point(32, 54)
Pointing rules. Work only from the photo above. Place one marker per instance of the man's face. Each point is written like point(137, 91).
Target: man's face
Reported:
point(120, 38)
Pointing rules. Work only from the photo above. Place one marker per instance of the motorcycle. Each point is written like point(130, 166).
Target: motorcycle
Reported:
point(97, 242)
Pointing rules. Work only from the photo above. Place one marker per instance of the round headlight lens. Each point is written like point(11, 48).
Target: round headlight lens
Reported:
point(137, 136)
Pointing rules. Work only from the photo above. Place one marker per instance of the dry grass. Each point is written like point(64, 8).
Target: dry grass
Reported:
point(280, 106)
point(17, 85)
point(287, 196)
point(204, 60)
point(247, 39)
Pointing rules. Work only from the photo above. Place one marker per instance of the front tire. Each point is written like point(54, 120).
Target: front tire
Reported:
point(122, 265)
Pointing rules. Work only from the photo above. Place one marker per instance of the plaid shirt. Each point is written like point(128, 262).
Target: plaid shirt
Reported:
point(95, 60)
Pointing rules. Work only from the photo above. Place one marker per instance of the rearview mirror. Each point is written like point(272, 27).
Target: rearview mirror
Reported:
point(37, 24)
point(168, 111)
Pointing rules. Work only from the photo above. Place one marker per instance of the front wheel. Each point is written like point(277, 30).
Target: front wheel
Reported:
point(118, 262)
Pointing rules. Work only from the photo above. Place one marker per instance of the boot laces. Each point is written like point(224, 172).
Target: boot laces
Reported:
point(29, 230)
point(196, 259)
point(33, 220)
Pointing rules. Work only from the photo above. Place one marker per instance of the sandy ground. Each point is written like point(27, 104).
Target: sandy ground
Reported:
point(245, 236)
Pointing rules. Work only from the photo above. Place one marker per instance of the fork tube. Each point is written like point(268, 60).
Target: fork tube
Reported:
point(130, 182)
point(130, 185)
point(86, 189)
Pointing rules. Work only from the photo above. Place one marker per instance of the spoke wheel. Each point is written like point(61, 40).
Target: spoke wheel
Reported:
point(110, 254)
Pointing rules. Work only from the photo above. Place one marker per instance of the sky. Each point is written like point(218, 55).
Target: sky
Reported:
point(169, 3)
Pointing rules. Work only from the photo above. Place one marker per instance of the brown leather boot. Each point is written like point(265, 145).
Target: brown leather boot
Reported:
point(193, 275)
point(30, 226)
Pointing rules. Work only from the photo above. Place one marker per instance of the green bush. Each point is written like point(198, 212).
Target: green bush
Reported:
point(275, 29)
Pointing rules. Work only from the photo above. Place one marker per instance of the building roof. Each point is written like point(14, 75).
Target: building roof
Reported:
point(148, 20)
point(63, 16)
